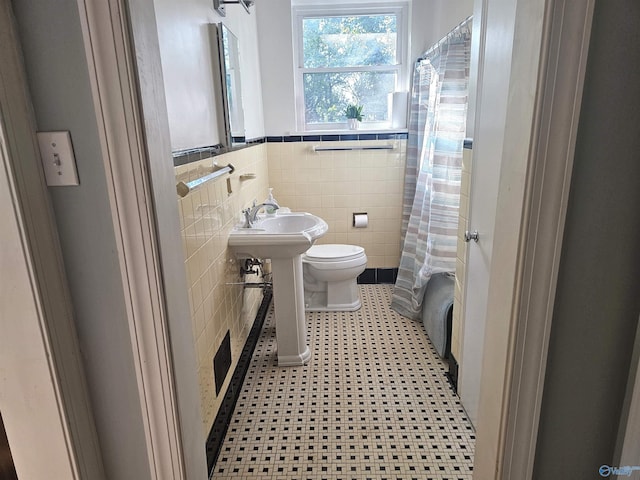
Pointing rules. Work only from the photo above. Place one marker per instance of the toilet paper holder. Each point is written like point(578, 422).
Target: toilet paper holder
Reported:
point(360, 220)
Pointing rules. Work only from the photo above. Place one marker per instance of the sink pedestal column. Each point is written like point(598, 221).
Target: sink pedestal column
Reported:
point(291, 327)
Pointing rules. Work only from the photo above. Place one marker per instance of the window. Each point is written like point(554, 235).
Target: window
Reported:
point(348, 56)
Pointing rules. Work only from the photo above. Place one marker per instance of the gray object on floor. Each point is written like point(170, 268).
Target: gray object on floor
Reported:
point(438, 299)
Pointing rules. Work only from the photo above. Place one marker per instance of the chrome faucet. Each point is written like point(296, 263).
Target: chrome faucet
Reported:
point(250, 214)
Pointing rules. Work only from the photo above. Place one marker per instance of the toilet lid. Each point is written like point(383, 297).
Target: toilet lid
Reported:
point(327, 253)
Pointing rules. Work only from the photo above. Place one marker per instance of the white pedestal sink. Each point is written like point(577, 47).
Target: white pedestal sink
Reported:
point(283, 238)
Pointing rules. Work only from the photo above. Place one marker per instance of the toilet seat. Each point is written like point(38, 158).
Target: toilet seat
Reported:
point(333, 253)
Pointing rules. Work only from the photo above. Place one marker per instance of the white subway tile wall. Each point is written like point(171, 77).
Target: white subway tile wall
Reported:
point(207, 214)
point(336, 184)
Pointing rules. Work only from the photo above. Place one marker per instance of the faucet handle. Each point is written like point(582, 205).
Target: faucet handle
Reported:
point(247, 218)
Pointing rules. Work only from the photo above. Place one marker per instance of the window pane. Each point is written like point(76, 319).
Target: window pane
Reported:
point(349, 41)
point(326, 95)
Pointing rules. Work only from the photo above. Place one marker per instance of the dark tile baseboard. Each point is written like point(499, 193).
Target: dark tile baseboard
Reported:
point(378, 275)
point(223, 418)
point(452, 374)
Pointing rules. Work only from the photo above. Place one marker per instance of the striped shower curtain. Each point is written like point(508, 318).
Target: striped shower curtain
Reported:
point(437, 125)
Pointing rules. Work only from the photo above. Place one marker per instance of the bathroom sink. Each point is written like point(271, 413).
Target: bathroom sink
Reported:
point(281, 236)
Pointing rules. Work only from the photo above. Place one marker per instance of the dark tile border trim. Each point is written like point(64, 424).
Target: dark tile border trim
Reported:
point(335, 137)
point(378, 276)
point(256, 141)
point(223, 418)
point(182, 157)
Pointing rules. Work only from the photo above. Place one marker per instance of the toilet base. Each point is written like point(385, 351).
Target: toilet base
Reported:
point(339, 297)
point(317, 302)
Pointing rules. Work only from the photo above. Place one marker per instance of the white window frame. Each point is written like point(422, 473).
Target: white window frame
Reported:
point(400, 9)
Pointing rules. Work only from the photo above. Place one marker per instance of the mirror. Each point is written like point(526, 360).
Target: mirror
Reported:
point(231, 116)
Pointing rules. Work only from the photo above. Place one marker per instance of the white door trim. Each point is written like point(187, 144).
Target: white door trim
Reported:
point(511, 413)
point(30, 393)
point(114, 85)
point(558, 112)
point(43, 392)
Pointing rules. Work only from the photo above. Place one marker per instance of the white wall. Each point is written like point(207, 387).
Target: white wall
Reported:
point(186, 49)
point(276, 63)
point(430, 21)
point(433, 19)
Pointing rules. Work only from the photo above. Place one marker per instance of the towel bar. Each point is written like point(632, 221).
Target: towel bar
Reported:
point(317, 148)
point(183, 188)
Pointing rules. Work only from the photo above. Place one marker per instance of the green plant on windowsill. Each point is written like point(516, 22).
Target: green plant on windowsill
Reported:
point(353, 111)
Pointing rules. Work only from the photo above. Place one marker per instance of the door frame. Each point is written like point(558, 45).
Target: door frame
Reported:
point(122, 51)
point(127, 144)
point(513, 374)
point(43, 392)
point(52, 412)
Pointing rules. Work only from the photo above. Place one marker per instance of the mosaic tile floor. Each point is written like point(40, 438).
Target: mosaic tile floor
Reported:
point(373, 403)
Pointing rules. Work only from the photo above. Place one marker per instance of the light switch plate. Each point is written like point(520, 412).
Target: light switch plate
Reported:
point(57, 157)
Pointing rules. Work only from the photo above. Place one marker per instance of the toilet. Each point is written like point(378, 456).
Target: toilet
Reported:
point(330, 275)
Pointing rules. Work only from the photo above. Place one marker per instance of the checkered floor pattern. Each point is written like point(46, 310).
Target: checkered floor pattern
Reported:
point(373, 403)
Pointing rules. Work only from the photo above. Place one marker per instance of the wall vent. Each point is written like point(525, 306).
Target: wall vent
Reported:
point(222, 362)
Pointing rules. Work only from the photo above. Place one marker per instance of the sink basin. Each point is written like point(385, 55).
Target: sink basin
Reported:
point(282, 236)
point(292, 223)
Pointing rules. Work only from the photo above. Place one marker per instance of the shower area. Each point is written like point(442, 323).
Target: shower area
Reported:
point(431, 272)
